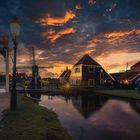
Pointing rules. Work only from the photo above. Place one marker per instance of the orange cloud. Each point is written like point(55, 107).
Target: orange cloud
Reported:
point(118, 47)
point(78, 6)
point(59, 68)
point(91, 2)
point(121, 36)
point(50, 32)
point(117, 38)
point(23, 58)
point(95, 41)
point(49, 20)
point(53, 36)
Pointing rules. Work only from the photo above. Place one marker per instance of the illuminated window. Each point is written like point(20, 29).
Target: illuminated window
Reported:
point(77, 70)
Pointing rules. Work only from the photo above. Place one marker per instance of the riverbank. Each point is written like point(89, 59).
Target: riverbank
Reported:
point(31, 122)
point(131, 94)
point(122, 93)
point(76, 91)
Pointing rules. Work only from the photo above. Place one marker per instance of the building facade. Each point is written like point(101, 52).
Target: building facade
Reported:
point(136, 67)
point(88, 73)
point(129, 78)
point(64, 77)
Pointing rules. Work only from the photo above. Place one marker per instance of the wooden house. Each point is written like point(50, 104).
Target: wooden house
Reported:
point(64, 77)
point(136, 67)
point(127, 79)
point(130, 78)
point(88, 73)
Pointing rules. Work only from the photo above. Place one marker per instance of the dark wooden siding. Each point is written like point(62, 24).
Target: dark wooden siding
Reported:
point(86, 75)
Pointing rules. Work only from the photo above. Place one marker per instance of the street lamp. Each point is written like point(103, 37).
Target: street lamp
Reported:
point(15, 30)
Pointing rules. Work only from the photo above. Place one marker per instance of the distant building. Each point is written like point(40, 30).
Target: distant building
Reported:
point(136, 67)
point(51, 80)
point(64, 77)
point(88, 73)
point(21, 76)
point(127, 78)
point(130, 78)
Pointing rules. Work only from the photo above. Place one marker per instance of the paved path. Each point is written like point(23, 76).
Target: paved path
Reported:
point(4, 102)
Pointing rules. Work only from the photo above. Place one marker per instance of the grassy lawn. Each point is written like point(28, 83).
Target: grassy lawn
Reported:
point(31, 122)
point(135, 94)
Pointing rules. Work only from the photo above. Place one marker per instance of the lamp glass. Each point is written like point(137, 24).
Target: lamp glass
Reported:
point(15, 28)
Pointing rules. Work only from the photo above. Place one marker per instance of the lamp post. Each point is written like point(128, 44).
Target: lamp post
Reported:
point(15, 30)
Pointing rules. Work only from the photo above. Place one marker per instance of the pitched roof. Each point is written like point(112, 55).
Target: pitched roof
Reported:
point(86, 60)
point(65, 73)
point(125, 75)
point(136, 65)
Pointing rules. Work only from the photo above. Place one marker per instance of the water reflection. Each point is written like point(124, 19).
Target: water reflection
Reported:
point(87, 105)
point(135, 105)
point(96, 117)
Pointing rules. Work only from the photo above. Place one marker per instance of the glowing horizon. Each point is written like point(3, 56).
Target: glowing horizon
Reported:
point(63, 32)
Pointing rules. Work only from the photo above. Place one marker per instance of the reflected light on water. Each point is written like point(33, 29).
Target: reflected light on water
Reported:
point(88, 118)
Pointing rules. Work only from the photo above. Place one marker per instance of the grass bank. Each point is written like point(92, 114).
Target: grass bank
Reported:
point(31, 122)
point(132, 94)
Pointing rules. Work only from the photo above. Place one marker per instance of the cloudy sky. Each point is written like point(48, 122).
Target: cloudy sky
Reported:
point(62, 31)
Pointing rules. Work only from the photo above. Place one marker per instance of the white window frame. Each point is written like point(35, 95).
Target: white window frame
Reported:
point(90, 70)
point(89, 82)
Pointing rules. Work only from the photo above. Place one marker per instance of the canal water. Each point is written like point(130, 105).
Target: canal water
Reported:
point(96, 117)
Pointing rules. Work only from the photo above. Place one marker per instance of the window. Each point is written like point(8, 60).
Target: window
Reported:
point(91, 69)
point(91, 82)
point(77, 70)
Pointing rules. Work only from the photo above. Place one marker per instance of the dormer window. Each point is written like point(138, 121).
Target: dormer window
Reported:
point(91, 69)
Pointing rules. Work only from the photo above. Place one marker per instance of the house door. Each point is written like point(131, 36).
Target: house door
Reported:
point(91, 82)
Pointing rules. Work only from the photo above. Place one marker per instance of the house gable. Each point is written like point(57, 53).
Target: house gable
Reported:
point(86, 60)
point(136, 67)
point(87, 70)
point(129, 76)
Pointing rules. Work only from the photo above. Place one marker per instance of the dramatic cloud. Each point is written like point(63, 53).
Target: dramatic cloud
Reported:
point(91, 2)
point(53, 36)
point(78, 6)
point(119, 60)
point(58, 21)
point(118, 40)
point(62, 32)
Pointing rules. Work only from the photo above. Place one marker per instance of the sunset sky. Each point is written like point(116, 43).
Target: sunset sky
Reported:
point(62, 31)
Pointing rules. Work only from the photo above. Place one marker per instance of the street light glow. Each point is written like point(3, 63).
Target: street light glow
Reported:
point(15, 28)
